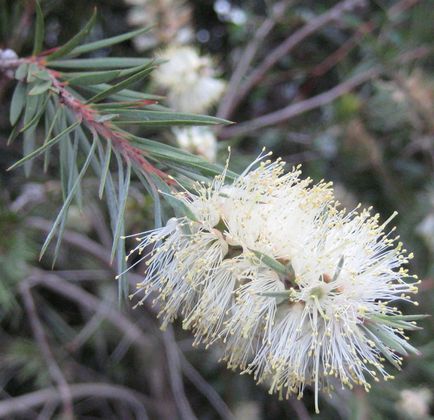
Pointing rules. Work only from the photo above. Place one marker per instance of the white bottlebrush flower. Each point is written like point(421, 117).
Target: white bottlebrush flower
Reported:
point(198, 140)
point(415, 403)
point(297, 291)
point(171, 21)
point(188, 79)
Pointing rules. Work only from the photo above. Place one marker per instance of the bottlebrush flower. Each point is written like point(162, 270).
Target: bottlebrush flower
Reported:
point(297, 291)
point(198, 140)
point(189, 79)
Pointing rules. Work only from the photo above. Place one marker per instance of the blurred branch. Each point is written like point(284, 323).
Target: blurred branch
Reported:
point(299, 408)
point(90, 302)
point(362, 30)
point(21, 31)
point(41, 340)
point(227, 103)
point(298, 108)
point(176, 383)
point(205, 388)
point(86, 390)
point(317, 101)
point(287, 46)
point(80, 241)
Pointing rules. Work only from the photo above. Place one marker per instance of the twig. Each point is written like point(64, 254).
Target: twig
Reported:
point(83, 298)
point(342, 51)
point(362, 30)
point(226, 105)
point(89, 116)
point(290, 43)
point(174, 366)
point(298, 108)
point(299, 408)
point(40, 338)
point(85, 390)
point(319, 100)
point(73, 238)
point(22, 29)
point(205, 388)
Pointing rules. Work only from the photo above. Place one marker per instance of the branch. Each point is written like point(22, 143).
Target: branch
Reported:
point(298, 108)
point(85, 390)
point(175, 376)
point(75, 239)
point(205, 388)
point(88, 115)
point(226, 105)
point(319, 100)
point(90, 302)
point(40, 338)
point(289, 44)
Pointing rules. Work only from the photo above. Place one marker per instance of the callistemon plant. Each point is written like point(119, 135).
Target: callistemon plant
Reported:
point(297, 291)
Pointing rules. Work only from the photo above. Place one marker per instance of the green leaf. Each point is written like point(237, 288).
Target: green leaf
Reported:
point(124, 95)
point(120, 86)
point(169, 154)
point(338, 268)
point(181, 209)
point(22, 70)
point(17, 103)
point(99, 63)
point(49, 126)
point(39, 31)
point(105, 168)
point(159, 118)
point(39, 107)
point(68, 199)
point(275, 265)
point(384, 350)
point(105, 117)
point(28, 146)
point(74, 41)
point(40, 88)
point(92, 78)
point(32, 72)
point(13, 135)
point(388, 338)
point(92, 46)
point(282, 294)
point(45, 146)
point(406, 317)
point(393, 322)
point(123, 195)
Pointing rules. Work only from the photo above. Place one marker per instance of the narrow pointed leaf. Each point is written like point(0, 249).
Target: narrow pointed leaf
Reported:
point(275, 265)
point(17, 103)
point(105, 169)
point(159, 118)
point(39, 31)
point(99, 63)
point(21, 73)
point(45, 146)
point(93, 78)
point(384, 350)
point(104, 43)
point(37, 116)
point(338, 268)
point(40, 88)
point(74, 41)
point(120, 86)
point(68, 200)
point(181, 209)
point(123, 195)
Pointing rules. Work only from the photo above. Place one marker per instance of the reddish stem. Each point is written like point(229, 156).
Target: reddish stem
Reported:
point(105, 129)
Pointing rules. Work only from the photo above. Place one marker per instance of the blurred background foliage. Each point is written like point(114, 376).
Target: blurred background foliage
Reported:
point(353, 101)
